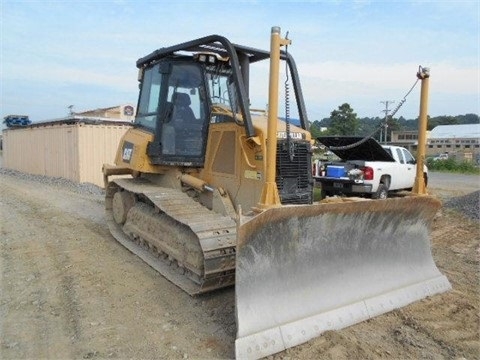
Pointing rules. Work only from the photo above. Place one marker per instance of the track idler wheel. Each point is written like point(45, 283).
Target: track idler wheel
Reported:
point(123, 201)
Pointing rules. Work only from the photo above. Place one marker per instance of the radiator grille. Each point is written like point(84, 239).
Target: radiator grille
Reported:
point(294, 176)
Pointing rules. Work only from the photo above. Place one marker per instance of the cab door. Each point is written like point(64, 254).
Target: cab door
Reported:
point(405, 175)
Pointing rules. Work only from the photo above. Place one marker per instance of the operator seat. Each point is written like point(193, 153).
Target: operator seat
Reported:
point(182, 113)
point(188, 137)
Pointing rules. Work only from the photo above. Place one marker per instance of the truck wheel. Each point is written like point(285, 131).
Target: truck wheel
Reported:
point(425, 177)
point(381, 193)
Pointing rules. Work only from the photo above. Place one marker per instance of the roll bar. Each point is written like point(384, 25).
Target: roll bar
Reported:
point(240, 58)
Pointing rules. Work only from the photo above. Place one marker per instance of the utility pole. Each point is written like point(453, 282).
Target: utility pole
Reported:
point(386, 111)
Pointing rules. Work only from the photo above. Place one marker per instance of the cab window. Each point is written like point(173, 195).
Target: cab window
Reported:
point(400, 156)
point(149, 99)
point(184, 126)
point(408, 157)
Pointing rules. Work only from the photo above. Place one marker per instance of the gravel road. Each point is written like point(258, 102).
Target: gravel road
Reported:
point(456, 184)
point(458, 191)
point(69, 291)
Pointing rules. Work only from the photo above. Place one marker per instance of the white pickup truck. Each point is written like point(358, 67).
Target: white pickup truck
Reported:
point(366, 168)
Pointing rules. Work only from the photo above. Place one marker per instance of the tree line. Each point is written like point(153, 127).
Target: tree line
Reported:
point(344, 121)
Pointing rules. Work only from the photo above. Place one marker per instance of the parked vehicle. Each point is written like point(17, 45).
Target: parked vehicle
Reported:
point(443, 156)
point(366, 168)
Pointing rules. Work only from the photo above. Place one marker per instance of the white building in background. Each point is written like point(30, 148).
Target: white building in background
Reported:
point(459, 141)
point(121, 112)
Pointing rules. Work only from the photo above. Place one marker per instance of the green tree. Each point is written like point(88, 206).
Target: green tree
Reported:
point(315, 129)
point(344, 121)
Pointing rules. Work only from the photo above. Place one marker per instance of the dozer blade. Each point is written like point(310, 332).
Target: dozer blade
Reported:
point(303, 270)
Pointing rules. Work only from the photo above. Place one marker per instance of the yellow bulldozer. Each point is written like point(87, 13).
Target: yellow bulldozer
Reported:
point(215, 193)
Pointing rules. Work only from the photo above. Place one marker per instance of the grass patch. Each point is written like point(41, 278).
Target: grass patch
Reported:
point(317, 194)
point(450, 165)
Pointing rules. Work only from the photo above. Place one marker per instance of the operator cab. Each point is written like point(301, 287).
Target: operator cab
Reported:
point(208, 76)
point(176, 98)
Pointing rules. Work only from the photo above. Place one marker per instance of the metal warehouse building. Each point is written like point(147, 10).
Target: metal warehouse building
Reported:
point(461, 142)
point(453, 139)
point(74, 148)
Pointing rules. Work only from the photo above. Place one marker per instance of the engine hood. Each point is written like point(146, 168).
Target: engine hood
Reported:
point(369, 150)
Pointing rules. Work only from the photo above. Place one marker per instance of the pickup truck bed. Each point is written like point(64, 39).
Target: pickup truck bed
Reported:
point(366, 168)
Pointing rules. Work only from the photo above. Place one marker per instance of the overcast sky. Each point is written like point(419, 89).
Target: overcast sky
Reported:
point(83, 53)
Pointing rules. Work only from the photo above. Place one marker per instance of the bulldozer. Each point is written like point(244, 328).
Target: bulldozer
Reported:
point(213, 193)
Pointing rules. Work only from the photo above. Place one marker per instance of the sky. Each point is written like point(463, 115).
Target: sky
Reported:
point(59, 53)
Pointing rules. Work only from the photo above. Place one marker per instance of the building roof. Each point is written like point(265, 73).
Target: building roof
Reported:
point(455, 131)
point(75, 119)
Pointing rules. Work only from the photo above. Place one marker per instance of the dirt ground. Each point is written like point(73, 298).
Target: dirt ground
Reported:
point(68, 290)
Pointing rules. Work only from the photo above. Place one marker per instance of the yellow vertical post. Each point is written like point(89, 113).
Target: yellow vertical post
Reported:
point(270, 197)
point(419, 186)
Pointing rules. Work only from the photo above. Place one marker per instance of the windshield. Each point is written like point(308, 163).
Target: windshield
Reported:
point(221, 88)
point(155, 102)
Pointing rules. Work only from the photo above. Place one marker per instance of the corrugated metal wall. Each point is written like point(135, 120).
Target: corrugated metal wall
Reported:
point(97, 145)
point(76, 152)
